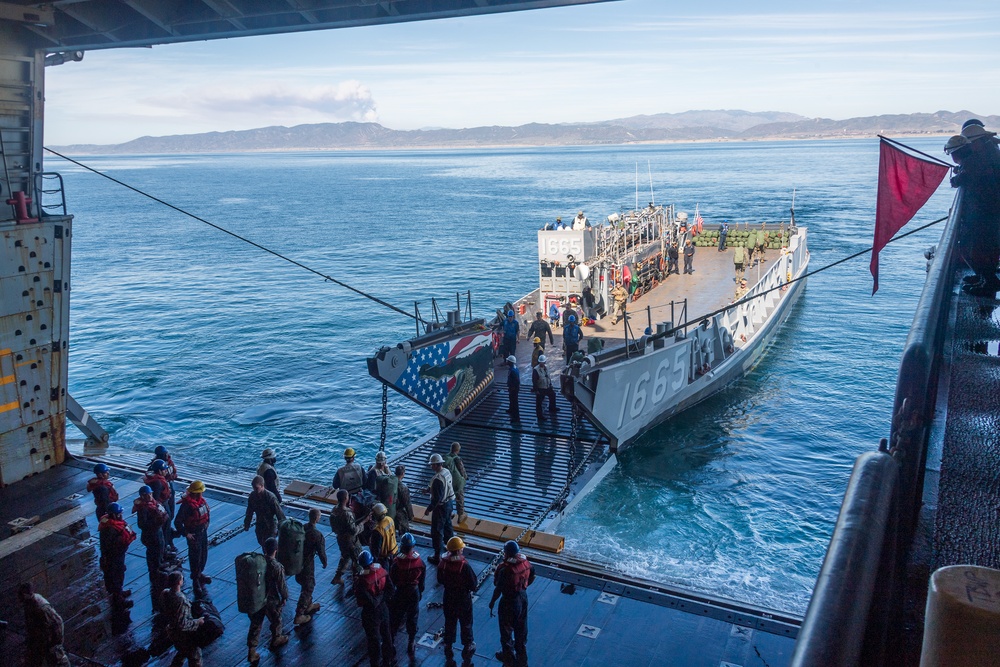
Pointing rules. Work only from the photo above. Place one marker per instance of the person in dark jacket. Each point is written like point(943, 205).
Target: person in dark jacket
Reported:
point(404, 508)
point(115, 536)
point(408, 575)
point(540, 329)
point(276, 591)
point(381, 467)
point(350, 476)
point(157, 479)
point(346, 528)
point(181, 626)
point(510, 584)
point(459, 581)
point(169, 473)
point(459, 476)
point(371, 590)
point(513, 388)
point(314, 545)
point(672, 256)
point(266, 470)
point(151, 516)
point(43, 626)
point(266, 507)
point(192, 521)
point(688, 257)
point(103, 489)
point(572, 335)
point(441, 506)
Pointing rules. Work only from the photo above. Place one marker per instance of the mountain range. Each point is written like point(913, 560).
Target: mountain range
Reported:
point(722, 125)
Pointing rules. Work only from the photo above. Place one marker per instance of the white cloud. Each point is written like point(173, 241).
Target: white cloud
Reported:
point(347, 100)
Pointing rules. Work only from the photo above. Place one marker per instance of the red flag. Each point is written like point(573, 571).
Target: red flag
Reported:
point(905, 183)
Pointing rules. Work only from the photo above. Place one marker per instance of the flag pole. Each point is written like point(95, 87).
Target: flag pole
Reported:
point(910, 148)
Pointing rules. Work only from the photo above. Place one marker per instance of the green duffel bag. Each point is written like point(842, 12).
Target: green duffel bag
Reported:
point(291, 545)
point(250, 590)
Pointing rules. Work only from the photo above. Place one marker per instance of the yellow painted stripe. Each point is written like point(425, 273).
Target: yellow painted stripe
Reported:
point(7, 379)
point(25, 363)
point(5, 351)
point(13, 405)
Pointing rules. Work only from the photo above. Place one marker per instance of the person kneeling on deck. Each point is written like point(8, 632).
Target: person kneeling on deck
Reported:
point(459, 581)
point(453, 462)
point(383, 539)
point(350, 476)
point(347, 529)
point(192, 521)
point(103, 489)
point(511, 581)
point(572, 334)
point(314, 545)
point(371, 589)
point(43, 643)
point(267, 471)
point(541, 384)
point(408, 575)
point(266, 506)
point(513, 389)
point(442, 492)
point(181, 626)
point(276, 591)
point(115, 536)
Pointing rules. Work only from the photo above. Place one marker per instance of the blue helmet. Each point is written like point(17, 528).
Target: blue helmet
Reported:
point(143, 490)
point(161, 452)
point(406, 542)
point(648, 332)
point(158, 465)
point(511, 549)
point(510, 313)
point(366, 558)
point(572, 318)
point(115, 508)
point(100, 469)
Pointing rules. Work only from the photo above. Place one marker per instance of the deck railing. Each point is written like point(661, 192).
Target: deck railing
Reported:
point(855, 616)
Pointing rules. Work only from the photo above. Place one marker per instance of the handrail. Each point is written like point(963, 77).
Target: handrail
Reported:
point(855, 614)
point(41, 191)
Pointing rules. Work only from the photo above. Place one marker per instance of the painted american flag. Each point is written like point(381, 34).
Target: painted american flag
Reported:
point(433, 392)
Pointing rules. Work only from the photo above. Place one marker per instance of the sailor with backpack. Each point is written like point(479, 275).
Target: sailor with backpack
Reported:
point(261, 593)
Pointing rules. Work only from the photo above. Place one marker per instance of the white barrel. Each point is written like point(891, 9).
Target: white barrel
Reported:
point(962, 621)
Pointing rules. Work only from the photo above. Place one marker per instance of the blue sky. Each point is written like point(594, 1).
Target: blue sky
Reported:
point(585, 63)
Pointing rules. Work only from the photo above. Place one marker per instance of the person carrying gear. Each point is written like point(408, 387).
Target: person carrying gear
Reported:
point(404, 508)
point(314, 545)
point(163, 493)
point(169, 474)
point(383, 539)
point(266, 470)
point(453, 462)
point(151, 517)
point(459, 581)
point(540, 329)
point(510, 584)
point(181, 626)
point(371, 590)
point(43, 644)
point(192, 521)
point(741, 290)
point(672, 256)
point(265, 505)
point(408, 575)
point(386, 490)
point(620, 295)
point(739, 261)
point(688, 257)
point(442, 493)
point(381, 467)
point(541, 384)
point(572, 334)
point(103, 489)
point(350, 476)
point(347, 529)
point(511, 330)
point(277, 593)
point(513, 388)
point(554, 315)
point(115, 536)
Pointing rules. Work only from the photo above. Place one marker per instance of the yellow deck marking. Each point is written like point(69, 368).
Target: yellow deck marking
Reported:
point(13, 405)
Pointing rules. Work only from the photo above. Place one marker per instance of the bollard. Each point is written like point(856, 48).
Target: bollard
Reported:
point(962, 622)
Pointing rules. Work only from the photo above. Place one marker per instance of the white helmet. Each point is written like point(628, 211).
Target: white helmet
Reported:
point(542, 359)
point(435, 458)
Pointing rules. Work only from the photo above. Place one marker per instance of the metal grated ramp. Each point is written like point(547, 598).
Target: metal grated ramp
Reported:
point(491, 412)
point(514, 476)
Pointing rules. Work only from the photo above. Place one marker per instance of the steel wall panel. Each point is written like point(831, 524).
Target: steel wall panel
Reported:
point(24, 293)
point(26, 330)
point(32, 448)
point(26, 249)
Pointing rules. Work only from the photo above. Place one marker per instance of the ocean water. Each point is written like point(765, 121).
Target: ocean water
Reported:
point(186, 337)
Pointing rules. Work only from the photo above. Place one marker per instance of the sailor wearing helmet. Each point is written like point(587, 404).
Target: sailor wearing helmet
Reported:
point(442, 492)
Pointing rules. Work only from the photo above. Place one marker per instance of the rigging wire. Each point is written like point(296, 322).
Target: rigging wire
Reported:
point(325, 277)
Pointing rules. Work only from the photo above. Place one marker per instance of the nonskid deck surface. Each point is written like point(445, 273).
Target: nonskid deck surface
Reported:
point(574, 620)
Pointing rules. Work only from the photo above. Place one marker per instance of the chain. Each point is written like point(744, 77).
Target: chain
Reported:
point(224, 536)
point(385, 415)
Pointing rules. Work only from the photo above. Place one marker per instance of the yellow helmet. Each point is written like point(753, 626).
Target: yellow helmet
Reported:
point(536, 339)
point(197, 486)
point(349, 453)
point(456, 544)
